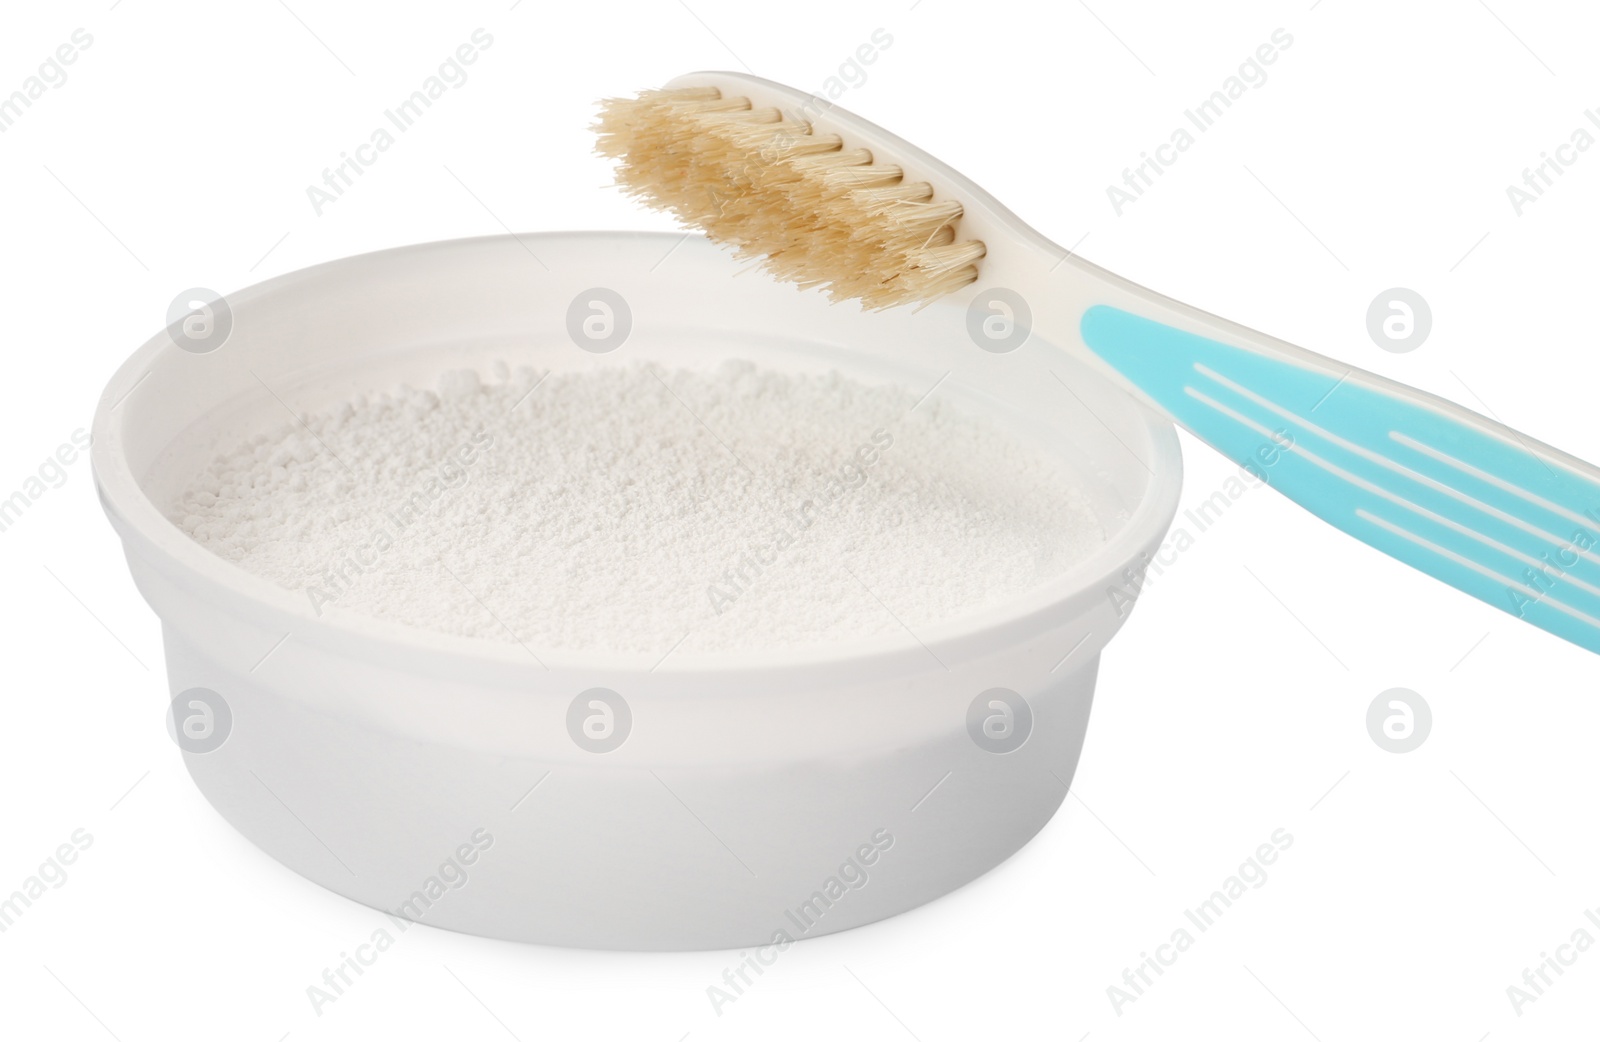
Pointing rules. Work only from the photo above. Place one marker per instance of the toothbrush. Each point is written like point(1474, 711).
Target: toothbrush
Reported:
point(827, 199)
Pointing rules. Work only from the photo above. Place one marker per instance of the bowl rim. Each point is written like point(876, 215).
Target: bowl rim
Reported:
point(144, 527)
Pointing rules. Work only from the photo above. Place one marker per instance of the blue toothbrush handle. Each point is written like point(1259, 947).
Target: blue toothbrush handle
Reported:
point(1451, 493)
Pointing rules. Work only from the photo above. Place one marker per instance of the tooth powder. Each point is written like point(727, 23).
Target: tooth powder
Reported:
point(643, 510)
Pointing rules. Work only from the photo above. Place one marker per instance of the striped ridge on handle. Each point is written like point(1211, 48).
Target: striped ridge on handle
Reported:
point(1439, 488)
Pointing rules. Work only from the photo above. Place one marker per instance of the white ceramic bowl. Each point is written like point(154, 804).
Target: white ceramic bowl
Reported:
point(756, 796)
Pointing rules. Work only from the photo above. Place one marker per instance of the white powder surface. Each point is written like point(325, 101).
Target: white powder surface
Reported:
point(643, 510)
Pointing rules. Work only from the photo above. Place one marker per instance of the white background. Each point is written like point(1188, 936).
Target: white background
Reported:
point(1377, 154)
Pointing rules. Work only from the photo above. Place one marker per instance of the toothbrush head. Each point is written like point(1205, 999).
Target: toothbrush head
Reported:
point(814, 208)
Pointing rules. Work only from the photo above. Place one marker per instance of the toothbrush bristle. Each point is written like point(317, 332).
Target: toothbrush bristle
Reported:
point(813, 210)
